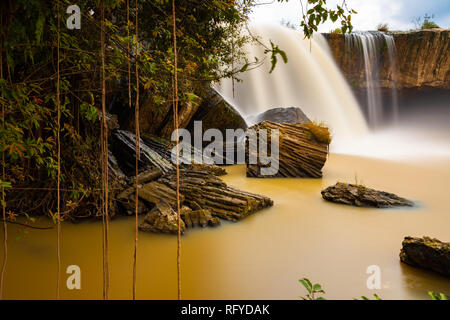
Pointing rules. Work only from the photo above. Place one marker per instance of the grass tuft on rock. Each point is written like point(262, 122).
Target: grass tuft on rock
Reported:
point(319, 131)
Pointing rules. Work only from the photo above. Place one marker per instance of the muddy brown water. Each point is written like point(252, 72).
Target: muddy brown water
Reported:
point(263, 256)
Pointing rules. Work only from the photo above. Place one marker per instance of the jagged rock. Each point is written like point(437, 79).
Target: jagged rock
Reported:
point(201, 218)
point(156, 191)
point(162, 219)
point(280, 115)
point(426, 253)
point(127, 199)
point(164, 149)
point(148, 175)
point(202, 190)
point(215, 112)
point(213, 169)
point(360, 196)
point(123, 146)
point(303, 150)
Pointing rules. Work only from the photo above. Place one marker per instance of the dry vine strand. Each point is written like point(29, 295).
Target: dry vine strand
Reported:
point(58, 191)
point(5, 228)
point(138, 147)
point(175, 98)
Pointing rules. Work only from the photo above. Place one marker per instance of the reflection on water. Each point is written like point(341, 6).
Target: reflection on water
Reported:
point(263, 256)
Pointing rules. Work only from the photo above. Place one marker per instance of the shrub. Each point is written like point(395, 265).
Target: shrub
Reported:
point(383, 27)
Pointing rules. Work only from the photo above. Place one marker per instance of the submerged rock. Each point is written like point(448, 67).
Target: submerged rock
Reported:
point(360, 196)
point(162, 219)
point(426, 253)
point(303, 150)
point(279, 115)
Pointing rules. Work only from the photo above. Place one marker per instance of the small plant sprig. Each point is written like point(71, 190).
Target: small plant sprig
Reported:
point(435, 296)
point(313, 290)
point(365, 298)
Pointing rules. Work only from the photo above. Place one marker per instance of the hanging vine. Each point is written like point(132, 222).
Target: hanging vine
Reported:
point(58, 105)
point(104, 151)
point(138, 148)
point(5, 228)
point(175, 102)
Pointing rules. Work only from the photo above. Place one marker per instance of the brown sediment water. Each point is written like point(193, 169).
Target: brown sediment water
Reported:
point(262, 256)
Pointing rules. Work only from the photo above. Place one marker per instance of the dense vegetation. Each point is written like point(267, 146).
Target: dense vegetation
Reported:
point(209, 39)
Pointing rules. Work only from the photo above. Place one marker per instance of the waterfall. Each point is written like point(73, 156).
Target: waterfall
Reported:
point(310, 80)
point(372, 47)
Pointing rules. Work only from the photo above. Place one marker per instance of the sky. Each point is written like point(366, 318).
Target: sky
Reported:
point(398, 14)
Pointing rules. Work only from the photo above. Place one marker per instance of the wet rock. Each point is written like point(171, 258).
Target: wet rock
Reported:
point(280, 115)
point(360, 196)
point(426, 253)
point(156, 191)
point(204, 191)
point(213, 169)
point(303, 150)
point(162, 219)
point(200, 218)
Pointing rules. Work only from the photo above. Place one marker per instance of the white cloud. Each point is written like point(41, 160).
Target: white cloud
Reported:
point(398, 14)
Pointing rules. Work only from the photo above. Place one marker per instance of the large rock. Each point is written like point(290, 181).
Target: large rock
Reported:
point(360, 196)
point(123, 146)
point(279, 115)
point(303, 150)
point(203, 191)
point(216, 113)
point(162, 219)
point(426, 253)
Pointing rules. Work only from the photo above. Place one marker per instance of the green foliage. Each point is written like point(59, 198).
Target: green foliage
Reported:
point(316, 12)
point(312, 289)
point(365, 298)
point(425, 22)
point(435, 296)
point(336, 31)
point(275, 51)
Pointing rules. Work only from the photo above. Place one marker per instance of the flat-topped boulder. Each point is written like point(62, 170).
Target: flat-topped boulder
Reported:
point(302, 149)
point(427, 253)
point(361, 196)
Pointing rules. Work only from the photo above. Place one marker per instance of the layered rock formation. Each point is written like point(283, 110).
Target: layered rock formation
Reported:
point(361, 196)
point(422, 60)
point(302, 148)
point(426, 253)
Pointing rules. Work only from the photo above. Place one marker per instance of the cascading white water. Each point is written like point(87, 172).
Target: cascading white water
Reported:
point(310, 80)
point(371, 46)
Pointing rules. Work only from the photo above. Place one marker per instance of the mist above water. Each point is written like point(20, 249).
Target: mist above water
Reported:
point(312, 81)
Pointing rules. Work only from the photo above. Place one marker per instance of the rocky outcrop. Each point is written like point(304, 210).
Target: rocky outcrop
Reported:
point(422, 60)
point(426, 253)
point(199, 218)
point(279, 115)
point(203, 191)
point(361, 196)
point(303, 150)
point(216, 113)
point(162, 219)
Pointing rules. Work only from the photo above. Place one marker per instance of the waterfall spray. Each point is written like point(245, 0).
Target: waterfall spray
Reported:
point(371, 47)
point(310, 80)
